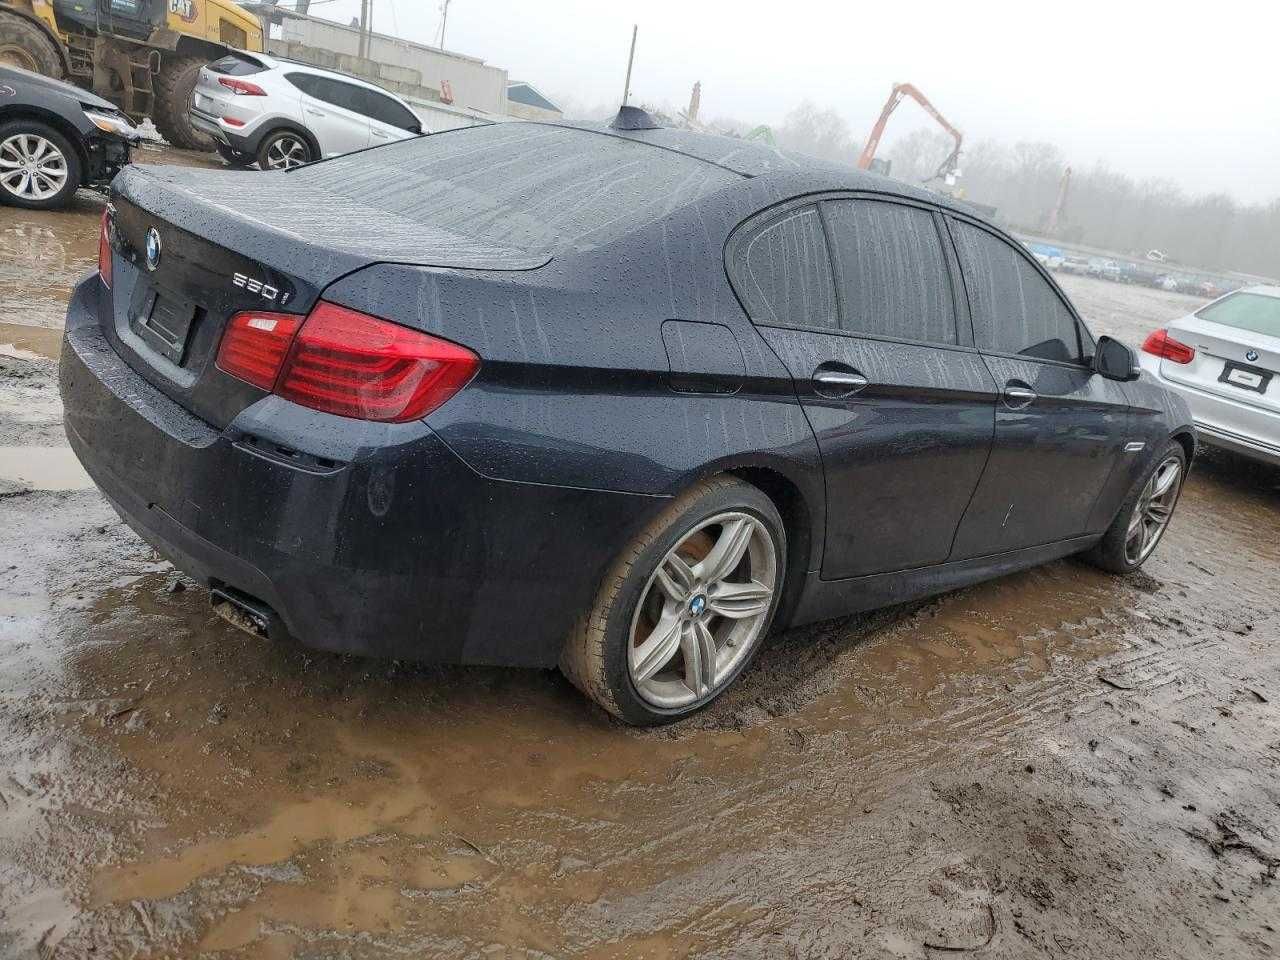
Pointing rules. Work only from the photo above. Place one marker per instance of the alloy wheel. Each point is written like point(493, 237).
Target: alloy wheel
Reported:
point(31, 167)
point(702, 610)
point(1153, 510)
point(287, 153)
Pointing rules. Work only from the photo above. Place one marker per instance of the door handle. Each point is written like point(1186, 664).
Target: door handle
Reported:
point(1017, 397)
point(837, 381)
point(382, 136)
point(314, 112)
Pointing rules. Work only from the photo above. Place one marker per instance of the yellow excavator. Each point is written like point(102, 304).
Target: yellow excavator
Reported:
point(142, 55)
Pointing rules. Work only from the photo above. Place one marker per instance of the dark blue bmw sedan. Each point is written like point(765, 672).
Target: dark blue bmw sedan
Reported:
point(621, 400)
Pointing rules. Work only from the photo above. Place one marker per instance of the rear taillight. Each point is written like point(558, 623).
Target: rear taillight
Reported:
point(1160, 344)
point(242, 88)
point(104, 248)
point(255, 344)
point(232, 122)
point(345, 362)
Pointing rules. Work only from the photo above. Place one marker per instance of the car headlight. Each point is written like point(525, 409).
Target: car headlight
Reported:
point(111, 123)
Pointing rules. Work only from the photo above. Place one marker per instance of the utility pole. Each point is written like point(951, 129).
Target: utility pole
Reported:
point(444, 21)
point(364, 28)
point(626, 88)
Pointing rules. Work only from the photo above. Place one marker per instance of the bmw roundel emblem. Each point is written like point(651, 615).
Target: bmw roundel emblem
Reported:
point(153, 248)
point(1252, 356)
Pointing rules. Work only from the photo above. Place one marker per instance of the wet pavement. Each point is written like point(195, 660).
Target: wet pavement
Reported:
point(1057, 763)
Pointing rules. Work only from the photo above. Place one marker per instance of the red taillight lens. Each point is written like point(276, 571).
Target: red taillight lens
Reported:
point(104, 248)
point(355, 365)
point(1160, 344)
point(242, 88)
point(255, 344)
point(232, 122)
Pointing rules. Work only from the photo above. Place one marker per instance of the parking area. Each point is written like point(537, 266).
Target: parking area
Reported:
point(1057, 763)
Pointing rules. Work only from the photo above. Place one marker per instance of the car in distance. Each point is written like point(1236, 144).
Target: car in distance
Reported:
point(56, 138)
point(282, 114)
point(1224, 360)
point(620, 399)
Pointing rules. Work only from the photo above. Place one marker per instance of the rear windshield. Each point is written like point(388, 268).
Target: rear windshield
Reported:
point(1255, 312)
point(539, 189)
point(236, 65)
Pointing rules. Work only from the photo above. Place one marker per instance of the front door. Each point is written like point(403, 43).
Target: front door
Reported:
point(901, 405)
point(1060, 428)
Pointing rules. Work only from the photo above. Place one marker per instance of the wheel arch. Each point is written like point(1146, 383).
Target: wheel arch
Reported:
point(1186, 436)
point(279, 126)
point(59, 123)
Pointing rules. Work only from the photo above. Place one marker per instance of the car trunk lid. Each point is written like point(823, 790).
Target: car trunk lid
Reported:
point(1238, 364)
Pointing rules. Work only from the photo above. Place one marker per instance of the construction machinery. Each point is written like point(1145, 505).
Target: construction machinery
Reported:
point(142, 55)
point(949, 169)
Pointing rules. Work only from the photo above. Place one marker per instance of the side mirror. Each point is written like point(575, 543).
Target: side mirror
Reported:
point(1115, 361)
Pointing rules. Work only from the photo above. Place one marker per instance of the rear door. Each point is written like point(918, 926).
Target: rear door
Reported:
point(857, 297)
point(333, 111)
point(388, 119)
point(1060, 428)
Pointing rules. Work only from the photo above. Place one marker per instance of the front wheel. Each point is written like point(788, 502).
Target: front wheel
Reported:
point(39, 169)
point(1144, 516)
point(684, 608)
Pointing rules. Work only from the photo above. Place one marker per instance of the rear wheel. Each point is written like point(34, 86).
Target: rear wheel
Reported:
point(284, 150)
point(173, 88)
point(39, 169)
point(685, 607)
point(25, 45)
point(1144, 516)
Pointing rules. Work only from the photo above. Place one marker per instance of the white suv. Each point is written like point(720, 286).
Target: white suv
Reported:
point(283, 114)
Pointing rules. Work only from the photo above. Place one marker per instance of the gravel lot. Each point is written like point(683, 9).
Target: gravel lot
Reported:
point(1058, 763)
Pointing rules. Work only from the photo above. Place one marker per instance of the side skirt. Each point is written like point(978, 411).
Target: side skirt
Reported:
point(825, 599)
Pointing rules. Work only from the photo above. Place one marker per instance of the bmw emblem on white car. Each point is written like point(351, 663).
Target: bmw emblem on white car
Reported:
point(1252, 356)
point(153, 248)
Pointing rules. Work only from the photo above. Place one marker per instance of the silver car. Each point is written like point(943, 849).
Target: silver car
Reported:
point(1224, 359)
point(282, 114)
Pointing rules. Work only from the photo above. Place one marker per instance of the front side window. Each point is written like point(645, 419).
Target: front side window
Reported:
point(891, 271)
point(1015, 310)
point(786, 273)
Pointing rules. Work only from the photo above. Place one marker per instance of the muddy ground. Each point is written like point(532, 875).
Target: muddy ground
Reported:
point(1058, 763)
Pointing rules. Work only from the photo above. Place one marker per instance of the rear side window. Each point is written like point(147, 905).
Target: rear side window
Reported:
point(233, 65)
point(785, 273)
point(1015, 311)
point(345, 95)
point(1254, 312)
point(891, 271)
point(385, 110)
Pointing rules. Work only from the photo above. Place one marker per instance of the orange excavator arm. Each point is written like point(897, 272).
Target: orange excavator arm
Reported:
point(899, 91)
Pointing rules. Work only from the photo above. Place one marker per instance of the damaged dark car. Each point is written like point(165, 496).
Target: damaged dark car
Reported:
point(618, 400)
point(56, 138)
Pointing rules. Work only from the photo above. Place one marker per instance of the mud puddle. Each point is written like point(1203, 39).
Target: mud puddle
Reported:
point(41, 468)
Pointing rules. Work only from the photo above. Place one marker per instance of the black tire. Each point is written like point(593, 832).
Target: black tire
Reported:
point(595, 656)
point(25, 45)
point(233, 157)
point(281, 137)
point(74, 167)
point(1111, 553)
point(172, 110)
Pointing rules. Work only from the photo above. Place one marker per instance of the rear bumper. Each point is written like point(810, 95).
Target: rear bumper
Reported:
point(399, 549)
point(245, 139)
point(1223, 422)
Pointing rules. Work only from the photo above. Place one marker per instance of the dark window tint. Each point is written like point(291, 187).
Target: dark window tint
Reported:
point(306, 82)
point(385, 110)
point(345, 95)
point(786, 273)
point(891, 272)
point(236, 66)
point(1014, 308)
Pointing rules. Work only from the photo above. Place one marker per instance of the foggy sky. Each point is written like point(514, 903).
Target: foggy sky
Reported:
point(1183, 92)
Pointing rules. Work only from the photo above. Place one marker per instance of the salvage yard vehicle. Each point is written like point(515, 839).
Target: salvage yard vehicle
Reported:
point(284, 114)
point(1224, 360)
point(56, 138)
point(140, 54)
point(620, 399)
